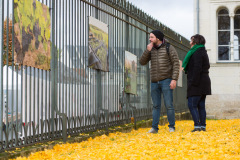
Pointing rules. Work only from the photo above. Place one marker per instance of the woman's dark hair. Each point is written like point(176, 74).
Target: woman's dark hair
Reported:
point(198, 39)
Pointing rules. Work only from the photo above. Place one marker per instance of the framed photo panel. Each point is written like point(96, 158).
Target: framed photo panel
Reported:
point(130, 73)
point(98, 45)
point(32, 30)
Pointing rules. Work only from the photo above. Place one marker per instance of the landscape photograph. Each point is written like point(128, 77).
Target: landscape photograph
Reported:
point(98, 45)
point(32, 30)
point(130, 73)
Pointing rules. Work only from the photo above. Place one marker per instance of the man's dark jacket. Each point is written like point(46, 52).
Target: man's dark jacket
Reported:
point(163, 65)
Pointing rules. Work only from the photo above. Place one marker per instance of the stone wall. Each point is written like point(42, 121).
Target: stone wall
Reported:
point(223, 106)
point(224, 103)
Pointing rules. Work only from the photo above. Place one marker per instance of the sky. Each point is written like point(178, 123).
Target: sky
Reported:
point(175, 14)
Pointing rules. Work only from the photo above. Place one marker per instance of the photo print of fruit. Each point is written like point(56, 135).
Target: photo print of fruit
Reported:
point(98, 45)
point(130, 73)
point(32, 28)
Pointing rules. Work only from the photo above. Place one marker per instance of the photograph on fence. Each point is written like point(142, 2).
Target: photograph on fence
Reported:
point(32, 29)
point(130, 73)
point(7, 41)
point(98, 45)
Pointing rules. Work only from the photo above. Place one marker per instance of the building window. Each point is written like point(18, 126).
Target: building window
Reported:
point(236, 42)
point(223, 35)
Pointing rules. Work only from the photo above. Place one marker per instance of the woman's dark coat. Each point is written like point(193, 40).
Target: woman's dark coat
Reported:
point(198, 81)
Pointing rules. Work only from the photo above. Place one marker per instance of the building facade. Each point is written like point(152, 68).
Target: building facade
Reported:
point(219, 22)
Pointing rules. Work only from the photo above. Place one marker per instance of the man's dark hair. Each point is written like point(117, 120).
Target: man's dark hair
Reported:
point(198, 39)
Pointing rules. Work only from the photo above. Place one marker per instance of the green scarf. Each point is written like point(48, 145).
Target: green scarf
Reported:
point(189, 55)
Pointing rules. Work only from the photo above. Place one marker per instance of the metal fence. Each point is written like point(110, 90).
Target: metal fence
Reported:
point(70, 98)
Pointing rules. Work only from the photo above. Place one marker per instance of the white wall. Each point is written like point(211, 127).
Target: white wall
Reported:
point(225, 76)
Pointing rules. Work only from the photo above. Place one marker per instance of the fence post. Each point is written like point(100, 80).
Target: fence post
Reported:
point(54, 72)
point(1, 69)
point(99, 88)
point(148, 76)
point(127, 48)
point(99, 81)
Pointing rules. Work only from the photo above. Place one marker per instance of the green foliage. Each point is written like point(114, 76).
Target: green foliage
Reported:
point(39, 38)
point(16, 15)
point(40, 59)
point(58, 53)
point(45, 45)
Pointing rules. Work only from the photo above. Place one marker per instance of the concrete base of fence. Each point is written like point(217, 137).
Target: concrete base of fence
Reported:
point(27, 150)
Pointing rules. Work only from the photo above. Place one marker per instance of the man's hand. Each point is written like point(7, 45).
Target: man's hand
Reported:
point(173, 84)
point(149, 46)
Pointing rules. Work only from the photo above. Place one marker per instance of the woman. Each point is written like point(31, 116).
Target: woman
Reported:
point(196, 66)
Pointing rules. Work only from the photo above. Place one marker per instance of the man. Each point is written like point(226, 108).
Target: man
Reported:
point(164, 76)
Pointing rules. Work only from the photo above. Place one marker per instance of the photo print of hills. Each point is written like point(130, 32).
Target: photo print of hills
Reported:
point(130, 73)
point(98, 45)
point(32, 28)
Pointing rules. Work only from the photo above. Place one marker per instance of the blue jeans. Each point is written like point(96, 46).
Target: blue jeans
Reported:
point(196, 105)
point(158, 88)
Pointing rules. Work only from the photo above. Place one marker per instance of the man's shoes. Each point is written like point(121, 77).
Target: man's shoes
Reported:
point(171, 129)
point(152, 130)
point(203, 129)
point(196, 129)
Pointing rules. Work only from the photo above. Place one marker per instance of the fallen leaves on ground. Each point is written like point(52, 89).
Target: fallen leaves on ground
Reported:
point(220, 141)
